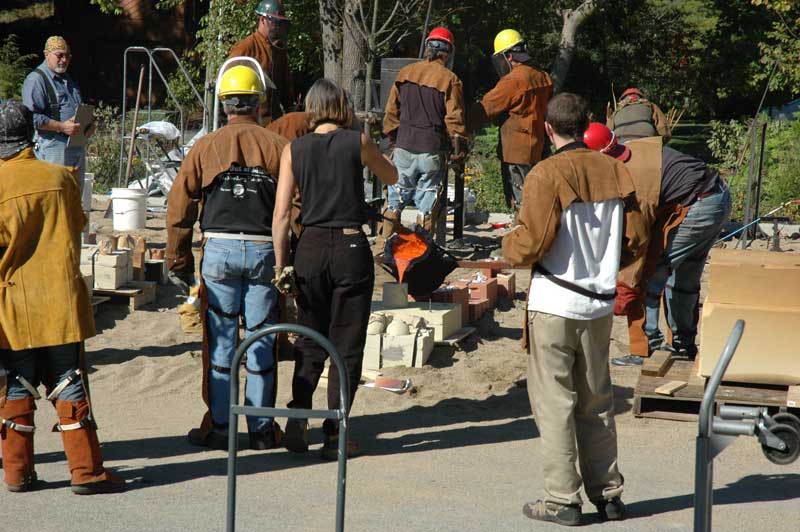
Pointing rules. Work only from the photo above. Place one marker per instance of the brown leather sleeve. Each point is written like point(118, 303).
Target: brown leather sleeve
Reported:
point(539, 220)
point(182, 210)
point(454, 106)
point(662, 126)
point(391, 117)
point(636, 233)
point(500, 99)
point(241, 48)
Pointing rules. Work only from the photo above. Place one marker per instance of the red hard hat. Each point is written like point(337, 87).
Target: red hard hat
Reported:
point(600, 138)
point(633, 91)
point(441, 34)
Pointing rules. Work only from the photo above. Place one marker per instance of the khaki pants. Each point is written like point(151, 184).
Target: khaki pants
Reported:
point(569, 386)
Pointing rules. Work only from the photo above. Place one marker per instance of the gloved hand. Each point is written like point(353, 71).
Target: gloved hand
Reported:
point(183, 280)
point(285, 281)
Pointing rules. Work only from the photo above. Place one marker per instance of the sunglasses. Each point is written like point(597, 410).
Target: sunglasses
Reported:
point(62, 55)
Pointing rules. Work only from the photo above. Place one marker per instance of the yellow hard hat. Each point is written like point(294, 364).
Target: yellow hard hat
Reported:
point(239, 80)
point(505, 40)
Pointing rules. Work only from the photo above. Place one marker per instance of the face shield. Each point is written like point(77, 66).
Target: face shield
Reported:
point(278, 30)
point(501, 64)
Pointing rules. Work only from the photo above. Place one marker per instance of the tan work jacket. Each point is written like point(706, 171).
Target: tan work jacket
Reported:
point(523, 93)
point(435, 75)
point(43, 299)
point(275, 64)
point(243, 142)
point(291, 125)
point(577, 175)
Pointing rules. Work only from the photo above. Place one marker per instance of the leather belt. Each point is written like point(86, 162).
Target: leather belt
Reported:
point(238, 236)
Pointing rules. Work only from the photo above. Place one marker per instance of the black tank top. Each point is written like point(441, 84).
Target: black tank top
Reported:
point(328, 171)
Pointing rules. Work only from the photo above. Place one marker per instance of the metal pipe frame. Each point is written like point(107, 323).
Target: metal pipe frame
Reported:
point(152, 64)
point(708, 443)
point(342, 414)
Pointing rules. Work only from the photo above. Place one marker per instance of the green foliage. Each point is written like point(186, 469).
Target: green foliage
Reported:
point(103, 151)
point(782, 43)
point(181, 87)
point(13, 68)
point(781, 178)
point(483, 172)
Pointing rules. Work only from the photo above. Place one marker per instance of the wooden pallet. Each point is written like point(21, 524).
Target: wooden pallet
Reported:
point(97, 301)
point(136, 293)
point(684, 404)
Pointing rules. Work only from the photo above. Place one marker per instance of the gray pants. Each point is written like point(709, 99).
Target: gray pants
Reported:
point(513, 179)
point(569, 387)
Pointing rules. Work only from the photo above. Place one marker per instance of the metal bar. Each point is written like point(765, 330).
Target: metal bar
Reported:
point(704, 454)
point(425, 28)
point(748, 213)
point(342, 414)
point(760, 172)
point(458, 200)
point(494, 265)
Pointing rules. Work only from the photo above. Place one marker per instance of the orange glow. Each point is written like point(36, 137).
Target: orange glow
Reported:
point(405, 248)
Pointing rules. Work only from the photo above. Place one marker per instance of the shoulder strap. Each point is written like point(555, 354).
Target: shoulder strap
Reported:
point(571, 286)
point(52, 98)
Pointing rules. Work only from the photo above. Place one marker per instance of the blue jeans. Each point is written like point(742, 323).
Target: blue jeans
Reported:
point(55, 151)
point(55, 363)
point(419, 176)
point(237, 277)
point(679, 271)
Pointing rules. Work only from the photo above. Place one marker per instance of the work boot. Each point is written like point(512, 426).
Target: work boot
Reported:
point(296, 439)
point(18, 444)
point(330, 448)
point(562, 514)
point(610, 510)
point(271, 438)
point(82, 448)
point(628, 360)
point(216, 438)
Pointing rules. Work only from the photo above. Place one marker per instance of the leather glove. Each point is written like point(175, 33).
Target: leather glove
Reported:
point(183, 280)
point(285, 280)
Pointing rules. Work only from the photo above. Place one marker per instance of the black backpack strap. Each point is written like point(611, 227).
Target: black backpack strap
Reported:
point(52, 97)
point(572, 286)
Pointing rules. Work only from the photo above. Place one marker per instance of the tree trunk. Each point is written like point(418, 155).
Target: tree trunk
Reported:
point(354, 56)
point(573, 18)
point(331, 38)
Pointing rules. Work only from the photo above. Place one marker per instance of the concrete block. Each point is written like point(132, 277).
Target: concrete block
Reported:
point(410, 350)
point(767, 353)
point(455, 295)
point(116, 259)
point(372, 352)
point(444, 318)
point(507, 285)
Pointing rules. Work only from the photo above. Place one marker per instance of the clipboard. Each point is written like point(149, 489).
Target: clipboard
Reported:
point(84, 115)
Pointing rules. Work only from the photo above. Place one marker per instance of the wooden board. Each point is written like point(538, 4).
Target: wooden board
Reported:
point(657, 364)
point(136, 293)
point(457, 336)
point(671, 387)
point(97, 301)
point(684, 404)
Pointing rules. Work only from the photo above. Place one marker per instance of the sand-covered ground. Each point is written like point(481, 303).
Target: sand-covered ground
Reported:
point(459, 452)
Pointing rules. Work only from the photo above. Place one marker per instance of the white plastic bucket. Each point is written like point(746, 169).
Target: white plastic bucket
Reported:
point(129, 206)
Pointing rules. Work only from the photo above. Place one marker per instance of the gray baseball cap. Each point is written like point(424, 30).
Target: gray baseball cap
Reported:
point(16, 128)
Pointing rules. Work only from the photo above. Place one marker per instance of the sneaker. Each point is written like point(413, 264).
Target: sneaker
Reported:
point(271, 438)
point(561, 514)
point(610, 510)
point(28, 484)
point(330, 448)
point(627, 360)
point(216, 439)
point(296, 438)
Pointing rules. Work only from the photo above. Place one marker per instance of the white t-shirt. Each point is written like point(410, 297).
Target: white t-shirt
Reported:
point(586, 253)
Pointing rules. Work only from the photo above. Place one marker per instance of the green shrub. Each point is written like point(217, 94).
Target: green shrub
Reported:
point(102, 153)
point(13, 68)
point(781, 174)
point(483, 172)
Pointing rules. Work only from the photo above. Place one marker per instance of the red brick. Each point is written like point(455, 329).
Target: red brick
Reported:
point(507, 285)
